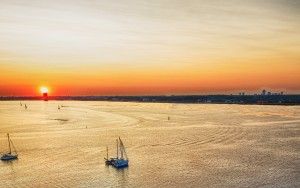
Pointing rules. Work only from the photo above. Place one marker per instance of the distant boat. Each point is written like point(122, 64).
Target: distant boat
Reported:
point(20, 104)
point(121, 160)
point(9, 156)
point(26, 106)
point(58, 107)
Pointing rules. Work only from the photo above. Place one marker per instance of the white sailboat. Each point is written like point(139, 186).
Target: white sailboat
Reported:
point(9, 156)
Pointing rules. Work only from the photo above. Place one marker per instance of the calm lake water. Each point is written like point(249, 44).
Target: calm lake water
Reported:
point(199, 146)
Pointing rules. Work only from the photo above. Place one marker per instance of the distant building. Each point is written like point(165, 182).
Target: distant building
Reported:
point(263, 92)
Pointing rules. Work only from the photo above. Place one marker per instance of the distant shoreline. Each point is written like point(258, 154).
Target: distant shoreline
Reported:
point(192, 99)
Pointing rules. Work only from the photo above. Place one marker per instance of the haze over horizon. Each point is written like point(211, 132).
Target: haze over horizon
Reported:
point(149, 47)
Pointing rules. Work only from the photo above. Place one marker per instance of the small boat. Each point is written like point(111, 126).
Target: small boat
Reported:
point(121, 160)
point(58, 107)
point(9, 156)
point(26, 106)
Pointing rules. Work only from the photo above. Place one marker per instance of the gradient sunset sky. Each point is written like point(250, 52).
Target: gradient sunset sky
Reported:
point(135, 47)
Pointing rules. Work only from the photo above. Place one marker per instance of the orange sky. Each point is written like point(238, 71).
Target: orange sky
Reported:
point(149, 47)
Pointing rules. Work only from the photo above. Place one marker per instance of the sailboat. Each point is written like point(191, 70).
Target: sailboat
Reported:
point(9, 156)
point(121, 160)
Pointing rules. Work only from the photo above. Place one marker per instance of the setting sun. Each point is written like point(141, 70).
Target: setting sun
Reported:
point(44, 89)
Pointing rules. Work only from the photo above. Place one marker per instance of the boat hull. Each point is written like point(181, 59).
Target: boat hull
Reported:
point(117, 163)
point(120, 163)
point(8, 157)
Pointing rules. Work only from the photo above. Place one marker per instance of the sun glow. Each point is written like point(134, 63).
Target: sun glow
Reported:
point(44, 90)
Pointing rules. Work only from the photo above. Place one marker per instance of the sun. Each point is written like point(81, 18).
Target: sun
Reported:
point(44, 89)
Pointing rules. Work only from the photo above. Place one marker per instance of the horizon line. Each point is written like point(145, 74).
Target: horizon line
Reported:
point(166, 95)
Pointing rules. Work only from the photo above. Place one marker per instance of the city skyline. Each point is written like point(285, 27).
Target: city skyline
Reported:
point(149, 48)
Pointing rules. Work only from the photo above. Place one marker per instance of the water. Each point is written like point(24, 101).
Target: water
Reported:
point(199, 146)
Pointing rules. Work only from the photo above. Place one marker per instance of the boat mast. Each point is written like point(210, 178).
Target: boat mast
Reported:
point(117, 149)
point(8, 143)
point(106, 152)
point(121, 147)
point(13, 147)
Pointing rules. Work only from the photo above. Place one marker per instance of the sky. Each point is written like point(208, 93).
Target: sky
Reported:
point(156, 47)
